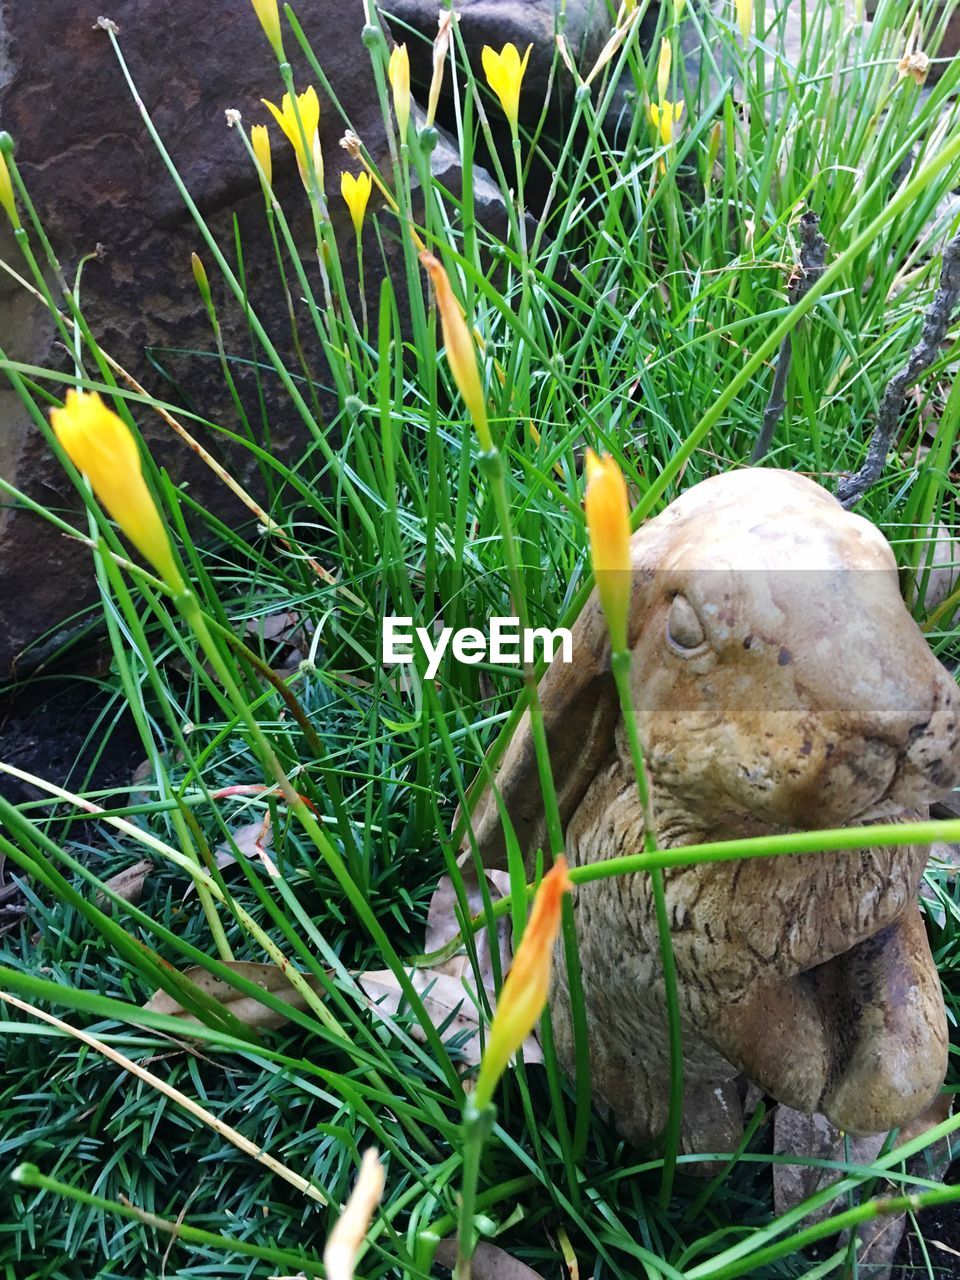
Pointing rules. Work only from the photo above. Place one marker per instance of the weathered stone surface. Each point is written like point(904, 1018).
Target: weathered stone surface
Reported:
point(779, 684)
point(96, 178)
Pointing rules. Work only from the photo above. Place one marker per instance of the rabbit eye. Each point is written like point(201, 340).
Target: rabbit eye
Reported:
point(684, 628)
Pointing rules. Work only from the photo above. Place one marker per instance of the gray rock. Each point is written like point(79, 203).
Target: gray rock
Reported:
point(95, 178)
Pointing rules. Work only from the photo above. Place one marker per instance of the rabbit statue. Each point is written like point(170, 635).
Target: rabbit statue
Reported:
point(779, 684)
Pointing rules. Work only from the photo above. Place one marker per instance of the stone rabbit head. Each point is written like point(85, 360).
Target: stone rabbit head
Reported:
point(779, 683)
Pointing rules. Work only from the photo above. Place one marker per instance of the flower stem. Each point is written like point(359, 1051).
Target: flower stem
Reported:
point(671, 1140)
point(477, 1123)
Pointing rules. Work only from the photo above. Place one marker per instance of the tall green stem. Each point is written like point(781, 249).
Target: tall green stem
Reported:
point(621, 674)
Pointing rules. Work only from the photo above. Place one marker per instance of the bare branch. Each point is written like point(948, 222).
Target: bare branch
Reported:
point(813, 257)
point(935, 325)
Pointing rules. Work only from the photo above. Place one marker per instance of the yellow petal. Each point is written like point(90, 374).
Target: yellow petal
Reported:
point(356, 192)
point(663, 68)
point(607, 508)
point(6, 193)
point(306, 143)
point(398, 72)
point(268, 13)
point(260, 139)
point(504, 72)
point(744, 9)
point(101, 446)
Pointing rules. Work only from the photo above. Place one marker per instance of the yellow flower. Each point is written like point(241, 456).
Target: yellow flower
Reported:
point(744, 9)
point(525, 991)
point(398, 72)
point(356, 192)
point(504, 72)
point(267, 12)
point(607, 510)
point(307, 143)
point(102, 447)
point(663, 68)
point(344, 1241)
point(461, 352)
point(260, 139)
point(663, 118)
point(6, 193)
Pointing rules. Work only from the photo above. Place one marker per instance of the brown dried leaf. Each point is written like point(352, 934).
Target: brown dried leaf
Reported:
point(489, 1262)
point(447, 1002)
point(253, 839)
point(442, 924)
point(248, 1009)
point(128, 883)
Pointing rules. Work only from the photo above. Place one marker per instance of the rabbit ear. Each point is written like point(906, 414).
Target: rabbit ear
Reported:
point(579, 702)
point(580, 712)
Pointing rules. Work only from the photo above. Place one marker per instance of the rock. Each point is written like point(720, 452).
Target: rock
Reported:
point(96, 179)
point(814, 1137)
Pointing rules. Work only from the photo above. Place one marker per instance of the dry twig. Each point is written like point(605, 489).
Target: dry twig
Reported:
point(813, 259)
point(935, 325)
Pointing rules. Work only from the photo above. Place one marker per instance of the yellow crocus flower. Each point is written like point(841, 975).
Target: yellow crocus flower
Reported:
point(398, 72)
point(461, 352)
point(308, 105)
point(607, 508)
point(525, 991)
point(664, 116)
point(260, 140)
point(101, 446)
point(269, 15)
point(355, 190)
point(504, 72)
point(6, 193)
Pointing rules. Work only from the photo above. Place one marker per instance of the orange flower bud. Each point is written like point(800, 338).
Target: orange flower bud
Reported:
point(525, 991)
point(608, 523)
point(461, 352)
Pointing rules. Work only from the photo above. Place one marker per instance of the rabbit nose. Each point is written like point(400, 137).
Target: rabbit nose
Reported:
point(929, 764)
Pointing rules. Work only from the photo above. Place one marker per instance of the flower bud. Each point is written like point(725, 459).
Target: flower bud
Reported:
point(102, 447)
point(527, 986)
point(607, 510)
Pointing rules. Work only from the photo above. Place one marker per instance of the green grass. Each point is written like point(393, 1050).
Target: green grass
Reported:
point(641, 316)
